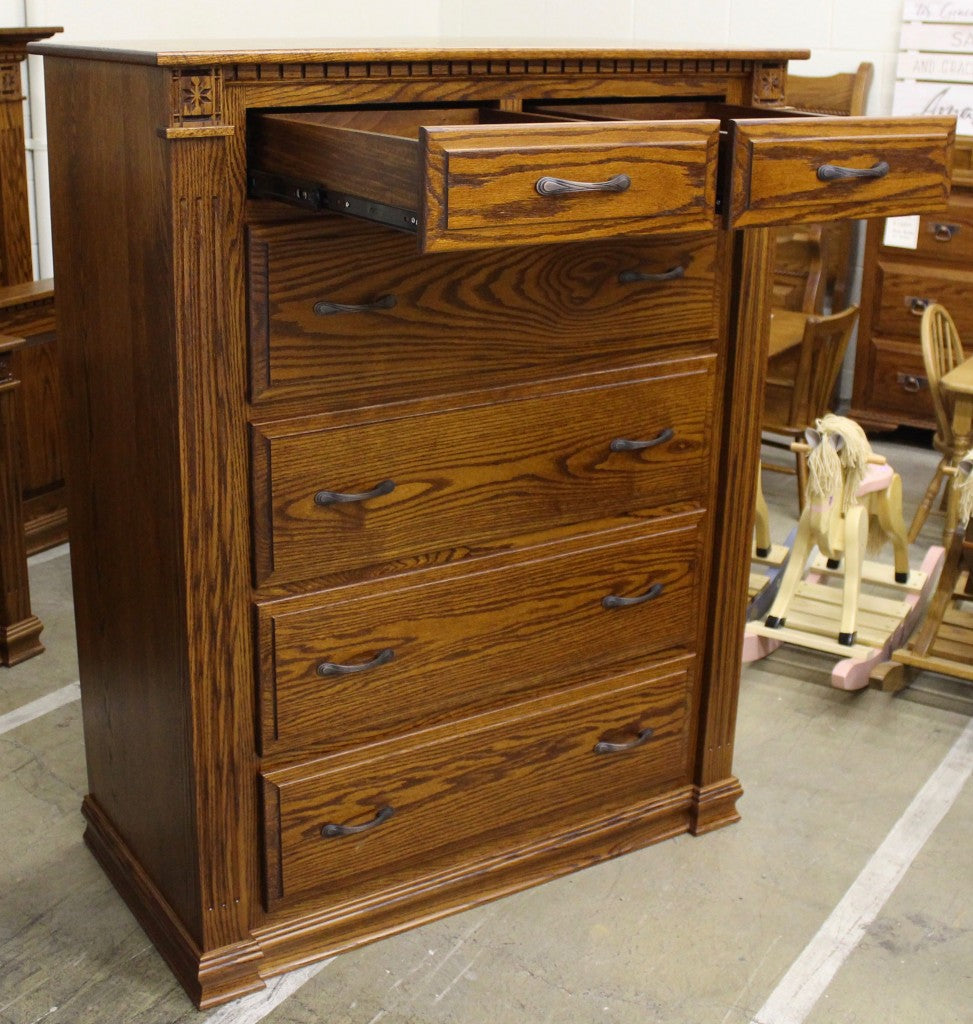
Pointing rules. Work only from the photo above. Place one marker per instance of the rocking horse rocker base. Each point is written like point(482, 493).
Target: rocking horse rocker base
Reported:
point(855, 501)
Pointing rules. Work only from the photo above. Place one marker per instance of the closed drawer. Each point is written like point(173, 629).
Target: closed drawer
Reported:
point(947, 236)
point(443, 485)
point(327, 296)
point(465, 184)
point(905, 290)
point(518, 780)
point(486, 638)
point(794, 170)
point(899, 384)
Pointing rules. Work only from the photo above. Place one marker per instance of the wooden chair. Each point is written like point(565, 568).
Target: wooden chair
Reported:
point(813, 262)
point(942, 351)
point(801, 382)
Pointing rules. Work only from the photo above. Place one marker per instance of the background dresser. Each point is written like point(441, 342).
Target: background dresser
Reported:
point(414, 402)
point(890, 387)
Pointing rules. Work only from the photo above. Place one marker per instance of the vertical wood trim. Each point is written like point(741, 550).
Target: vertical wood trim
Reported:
point(19, 629)
point(738, 460)
point(211, 356)
point(16, 259)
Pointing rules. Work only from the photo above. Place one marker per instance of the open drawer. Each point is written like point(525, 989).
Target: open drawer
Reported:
point(461, 183)
point(788, 167)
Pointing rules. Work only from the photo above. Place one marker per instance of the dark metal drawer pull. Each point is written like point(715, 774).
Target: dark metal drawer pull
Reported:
point(611, 601)
point(333, 831)
point(337, 498)
point(944, 232)
point(911, 383)
point(548, 186)
point(832, 172)
point(332, 668)
point(615, 748)
point(633, 276)
point(328, 308)
point(917, 306)
point(620, 444)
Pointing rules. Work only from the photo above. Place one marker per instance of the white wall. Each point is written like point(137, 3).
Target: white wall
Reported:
point(840, 33)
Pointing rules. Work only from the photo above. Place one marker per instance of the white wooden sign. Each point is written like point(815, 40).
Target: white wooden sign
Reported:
point(937, 38)
point(936, 98)
point(937, 67)
point(938, 10)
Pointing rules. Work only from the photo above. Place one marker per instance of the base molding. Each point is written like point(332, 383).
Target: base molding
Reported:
point(20, 640)
point(714, 806)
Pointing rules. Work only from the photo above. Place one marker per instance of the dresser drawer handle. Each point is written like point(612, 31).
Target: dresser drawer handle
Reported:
point(324, 308)
point(605, 747)
point(944, 232)
point(917, 306)
point(332, 668)
point(337, 498)
point(333, 831)
point(621, 444)
point(633, 276)
point(612, 601)
point(911, 383)
point(548, 186)
point(832, 172)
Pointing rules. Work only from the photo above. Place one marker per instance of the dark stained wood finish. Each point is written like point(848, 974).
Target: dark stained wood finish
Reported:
point(215, 843)
point(19, 628)
point(469, 630)
point(513, 780)
point(470, 479)
point(462, 321)
point(775, 165)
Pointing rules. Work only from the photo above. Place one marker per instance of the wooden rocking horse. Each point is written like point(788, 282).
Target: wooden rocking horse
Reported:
point(853, 507)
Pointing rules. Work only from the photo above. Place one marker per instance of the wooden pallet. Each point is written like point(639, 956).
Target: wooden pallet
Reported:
point(887, 614)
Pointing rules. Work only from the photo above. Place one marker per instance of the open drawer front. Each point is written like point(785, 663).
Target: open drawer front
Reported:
point(460, 183)
point(788, 167)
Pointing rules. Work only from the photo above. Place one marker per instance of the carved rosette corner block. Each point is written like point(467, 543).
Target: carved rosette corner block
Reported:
point(197, 97)
point(10, 87)
point(768, 84)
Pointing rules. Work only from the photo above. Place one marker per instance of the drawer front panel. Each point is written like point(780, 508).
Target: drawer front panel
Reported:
point(906, 290)
point(519, 184)
point(474, 795)
point(429, 653)
point(947, 236)
point(464, 321)
point(899, 384)
point(444, 485)
point(816, 169)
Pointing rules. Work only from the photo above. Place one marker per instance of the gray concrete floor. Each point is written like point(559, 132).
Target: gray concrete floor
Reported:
point(692, 931)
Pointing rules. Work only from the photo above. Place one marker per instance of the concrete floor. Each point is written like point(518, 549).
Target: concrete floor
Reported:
point(692, 931)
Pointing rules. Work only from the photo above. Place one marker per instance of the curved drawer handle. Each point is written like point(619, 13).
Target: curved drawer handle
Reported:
point(944, 232)
point(612, 601)
point(621, 444)
point(332, 668)
point(633, 276)
point(333, 831)
point(911, 383)
point(548, 186)
point(337, 498)
point(832, 172)
point(325, 308)
point(604, 747)
point(917, 306)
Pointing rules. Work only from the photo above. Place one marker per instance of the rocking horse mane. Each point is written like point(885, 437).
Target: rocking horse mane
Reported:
point(963, 485)
point(838, 463)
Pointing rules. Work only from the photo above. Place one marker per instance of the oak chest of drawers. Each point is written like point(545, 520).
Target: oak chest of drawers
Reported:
point(890, 385)
point(414, 403)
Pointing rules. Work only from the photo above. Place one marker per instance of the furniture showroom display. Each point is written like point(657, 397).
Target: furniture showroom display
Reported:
point(414, 402)
point(899, 281)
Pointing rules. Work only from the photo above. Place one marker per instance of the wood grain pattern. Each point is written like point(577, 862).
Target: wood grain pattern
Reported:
point(470, 320)
point(907, 288)
point(471, 476)
point(504, 785)
point(775, 164)
point(470, 631)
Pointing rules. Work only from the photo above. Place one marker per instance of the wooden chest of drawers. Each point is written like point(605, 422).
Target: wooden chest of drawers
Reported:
point(890, 386)
point(414, 401)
